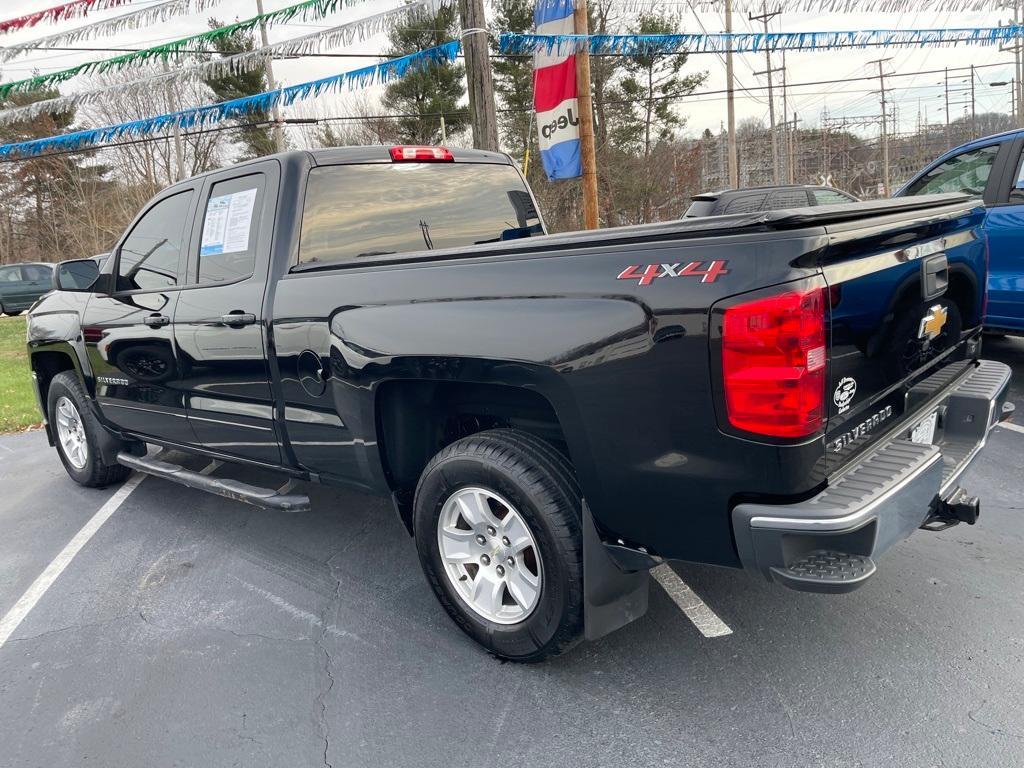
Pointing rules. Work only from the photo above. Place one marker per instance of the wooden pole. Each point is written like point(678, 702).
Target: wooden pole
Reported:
point(586, 107)
point(734, 167)
point(478, 75)
point(271, 84)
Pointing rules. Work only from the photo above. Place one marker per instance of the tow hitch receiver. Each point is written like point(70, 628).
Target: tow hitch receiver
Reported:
point(957, 508)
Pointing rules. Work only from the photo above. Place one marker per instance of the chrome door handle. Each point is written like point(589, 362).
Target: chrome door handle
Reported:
point(238, 319)
point(155, 321)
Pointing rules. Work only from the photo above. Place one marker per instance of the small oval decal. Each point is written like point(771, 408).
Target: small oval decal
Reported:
point(845, 392)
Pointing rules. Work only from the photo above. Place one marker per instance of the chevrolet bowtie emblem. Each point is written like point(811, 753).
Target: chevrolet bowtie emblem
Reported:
point(933, 323)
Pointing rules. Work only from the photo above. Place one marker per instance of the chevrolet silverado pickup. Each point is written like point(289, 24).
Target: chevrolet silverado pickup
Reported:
point(790, 392)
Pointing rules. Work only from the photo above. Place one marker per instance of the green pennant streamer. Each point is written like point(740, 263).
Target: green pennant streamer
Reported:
point(305, 11)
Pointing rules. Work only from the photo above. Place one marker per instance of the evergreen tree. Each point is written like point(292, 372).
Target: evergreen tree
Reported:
point(42, 196)
point(648, 80)
point(648, 120)
point(258, 140)
point(434, 90)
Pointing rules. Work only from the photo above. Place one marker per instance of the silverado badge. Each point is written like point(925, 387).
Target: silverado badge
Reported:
point(933, 323)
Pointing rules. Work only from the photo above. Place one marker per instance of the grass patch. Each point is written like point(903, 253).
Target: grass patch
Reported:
point(17, 402)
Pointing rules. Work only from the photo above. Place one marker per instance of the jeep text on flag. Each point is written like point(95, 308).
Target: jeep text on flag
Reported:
point(554, 94)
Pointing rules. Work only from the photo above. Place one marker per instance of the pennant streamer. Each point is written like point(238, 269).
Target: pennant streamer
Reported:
point(210, 114)
point(57, 13)
point(143, 17)
point(637, 7)
point(745, 42)
point(217, 67)
point(304, 11)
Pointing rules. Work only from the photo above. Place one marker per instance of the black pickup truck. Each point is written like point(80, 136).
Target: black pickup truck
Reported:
point(790, 392)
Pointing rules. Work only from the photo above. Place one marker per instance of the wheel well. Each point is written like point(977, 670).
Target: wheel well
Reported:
point(47, 365)
point(416, 419)
point(962, 292)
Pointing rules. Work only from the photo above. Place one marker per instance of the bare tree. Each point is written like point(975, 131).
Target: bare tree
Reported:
point(147, 166)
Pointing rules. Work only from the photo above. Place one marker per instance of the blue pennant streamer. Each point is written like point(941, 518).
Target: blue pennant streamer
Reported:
point(210, 114)
point(743, 42)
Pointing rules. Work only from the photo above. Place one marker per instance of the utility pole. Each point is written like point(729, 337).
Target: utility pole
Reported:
point(792, 149)
point(271, 83)
point(586, 107)
point(1017, 97)
point(766, 17)
point(1018, 18)
point(946, 70)
point(787, 135)
point(478, 75)
point(179, 154)
point(730, 100)
point(974, 116)
point(885, 123)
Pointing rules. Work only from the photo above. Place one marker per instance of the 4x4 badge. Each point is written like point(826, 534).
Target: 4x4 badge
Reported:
point(844, 393)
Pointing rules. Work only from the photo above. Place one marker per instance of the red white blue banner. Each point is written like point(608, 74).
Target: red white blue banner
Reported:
point(554, 94)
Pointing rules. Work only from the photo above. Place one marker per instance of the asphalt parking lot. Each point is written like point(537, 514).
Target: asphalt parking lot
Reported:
point(193, 631)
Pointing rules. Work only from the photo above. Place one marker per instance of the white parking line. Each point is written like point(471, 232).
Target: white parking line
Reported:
point(706, 620)
point(28, 601)
point(1014, 427)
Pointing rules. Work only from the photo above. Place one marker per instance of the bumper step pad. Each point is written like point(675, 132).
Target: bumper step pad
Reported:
point(826, 571)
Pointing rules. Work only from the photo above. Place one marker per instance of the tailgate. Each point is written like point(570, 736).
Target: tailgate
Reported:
point(906, 298)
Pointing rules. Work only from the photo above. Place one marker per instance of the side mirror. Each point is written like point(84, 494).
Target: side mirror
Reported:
point(79, 275)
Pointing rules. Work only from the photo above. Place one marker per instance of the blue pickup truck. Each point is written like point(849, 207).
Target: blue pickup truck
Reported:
point(989, 168)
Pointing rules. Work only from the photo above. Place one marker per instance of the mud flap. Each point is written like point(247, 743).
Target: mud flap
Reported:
point(612, 598)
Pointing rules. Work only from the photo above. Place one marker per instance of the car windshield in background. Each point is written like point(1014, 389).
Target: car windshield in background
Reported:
point(360, 211)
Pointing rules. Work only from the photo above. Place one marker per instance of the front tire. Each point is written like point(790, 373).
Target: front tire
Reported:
point(77, 434)
point(497, 524)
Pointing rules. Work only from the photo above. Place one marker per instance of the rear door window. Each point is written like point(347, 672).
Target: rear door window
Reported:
point(967, 172)
point(788, 198)
point(355, 212)
point(10, 275)
point(36, 273)
point(700, 208)
point(745, 204)
point(830, 197)
point(227, 250)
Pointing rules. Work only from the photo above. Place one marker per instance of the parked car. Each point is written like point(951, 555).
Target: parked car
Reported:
point(551, 415)
point(989, 169)
point(22, 284)
point(771, 198)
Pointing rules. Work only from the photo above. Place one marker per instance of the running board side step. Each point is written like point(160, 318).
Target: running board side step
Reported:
point(265, 498)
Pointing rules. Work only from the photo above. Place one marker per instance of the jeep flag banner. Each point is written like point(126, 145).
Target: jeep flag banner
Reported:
point(554, 94)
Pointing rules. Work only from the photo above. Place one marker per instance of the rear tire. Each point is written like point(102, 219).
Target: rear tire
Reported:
point(77, 434)
point(524, 543)
point(14, 312)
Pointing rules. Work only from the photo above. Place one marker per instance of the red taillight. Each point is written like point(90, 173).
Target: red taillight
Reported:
point(421, 155)
point(773, 360)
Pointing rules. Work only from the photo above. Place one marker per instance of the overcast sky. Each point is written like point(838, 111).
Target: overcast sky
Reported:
point(914, 95)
